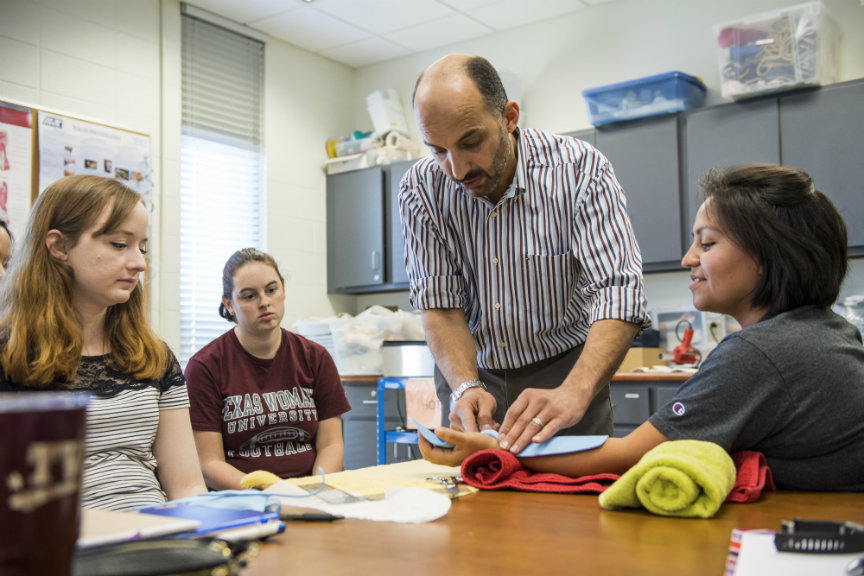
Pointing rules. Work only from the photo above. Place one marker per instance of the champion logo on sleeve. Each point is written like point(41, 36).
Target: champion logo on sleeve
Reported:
point(678, 409)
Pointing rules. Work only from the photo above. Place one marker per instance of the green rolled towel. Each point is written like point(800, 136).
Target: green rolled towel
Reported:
point(686, 478)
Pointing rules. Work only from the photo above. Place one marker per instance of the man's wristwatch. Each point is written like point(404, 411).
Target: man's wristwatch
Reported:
point(457, 394)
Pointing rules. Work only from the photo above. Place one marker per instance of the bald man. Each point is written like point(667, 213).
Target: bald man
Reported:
point(522, 259)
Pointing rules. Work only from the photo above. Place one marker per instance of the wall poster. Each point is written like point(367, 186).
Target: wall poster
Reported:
point(71, 146)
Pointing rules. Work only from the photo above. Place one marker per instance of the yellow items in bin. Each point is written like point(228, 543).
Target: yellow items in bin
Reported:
point(354, 144)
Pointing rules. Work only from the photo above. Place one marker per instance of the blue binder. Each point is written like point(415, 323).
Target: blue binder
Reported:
point(212, 518)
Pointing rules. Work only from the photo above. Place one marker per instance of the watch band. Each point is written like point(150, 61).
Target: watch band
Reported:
point(457, 394)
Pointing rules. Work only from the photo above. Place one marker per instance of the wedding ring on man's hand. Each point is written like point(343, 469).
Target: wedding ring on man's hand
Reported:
point(538, 422)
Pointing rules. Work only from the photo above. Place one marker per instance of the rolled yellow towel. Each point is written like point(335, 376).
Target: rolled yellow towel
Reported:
point(259, 480)
point(687, 478)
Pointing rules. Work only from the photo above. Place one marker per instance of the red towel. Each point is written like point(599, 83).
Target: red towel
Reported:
point(499, 469)
point(751, 478)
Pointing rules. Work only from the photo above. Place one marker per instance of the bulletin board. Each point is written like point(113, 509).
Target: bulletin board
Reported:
point(37, 147)
point(17, 185)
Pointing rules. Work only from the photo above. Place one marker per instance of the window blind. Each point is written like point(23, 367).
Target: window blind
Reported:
point(221, 169)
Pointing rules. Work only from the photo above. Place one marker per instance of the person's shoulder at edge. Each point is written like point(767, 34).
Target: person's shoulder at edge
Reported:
point(801, 316)
point(213, 349)
point(209, 358)
point(807, 327)
point(752, 340)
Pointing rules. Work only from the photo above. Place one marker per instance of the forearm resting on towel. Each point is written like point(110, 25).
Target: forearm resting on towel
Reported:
point(616, 455)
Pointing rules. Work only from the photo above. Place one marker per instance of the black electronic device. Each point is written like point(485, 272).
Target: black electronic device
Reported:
point(819, 537)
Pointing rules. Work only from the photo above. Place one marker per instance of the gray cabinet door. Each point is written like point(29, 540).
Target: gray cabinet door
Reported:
point(355, 229)
point(822, 132)
point(644, 156)
point(726, 135)
point(395, 241)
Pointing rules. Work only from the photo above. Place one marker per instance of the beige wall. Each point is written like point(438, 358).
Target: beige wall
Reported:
point(118, 62)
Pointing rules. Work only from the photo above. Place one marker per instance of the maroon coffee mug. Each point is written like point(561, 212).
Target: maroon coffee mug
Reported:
point(40, 480)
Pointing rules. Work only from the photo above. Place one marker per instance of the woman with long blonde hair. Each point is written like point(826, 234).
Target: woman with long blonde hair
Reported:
point(73, 317)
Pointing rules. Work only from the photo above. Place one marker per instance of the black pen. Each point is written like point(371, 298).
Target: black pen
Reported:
point(310, 517)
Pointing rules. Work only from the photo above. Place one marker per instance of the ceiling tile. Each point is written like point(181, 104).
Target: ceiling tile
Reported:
point(362, 32)
point(439, 33)
point(507, 14)
point(466, 5)
point(365, 52)
point(246, 12)
point(382, 16)
point(310, 29)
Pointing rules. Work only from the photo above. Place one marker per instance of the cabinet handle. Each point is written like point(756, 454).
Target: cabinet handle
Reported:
point(370, 402)
point(376, 260)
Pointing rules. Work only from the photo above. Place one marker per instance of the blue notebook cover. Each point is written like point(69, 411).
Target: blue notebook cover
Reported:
point(211, 517)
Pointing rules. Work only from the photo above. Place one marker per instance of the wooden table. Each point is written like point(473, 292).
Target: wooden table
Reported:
point(523, 534)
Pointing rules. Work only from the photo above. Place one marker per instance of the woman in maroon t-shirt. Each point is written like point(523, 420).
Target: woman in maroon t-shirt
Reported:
point(263, 398)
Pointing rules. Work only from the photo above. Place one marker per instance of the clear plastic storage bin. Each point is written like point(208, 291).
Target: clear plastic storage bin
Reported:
point(661, 94)
point(777, 50)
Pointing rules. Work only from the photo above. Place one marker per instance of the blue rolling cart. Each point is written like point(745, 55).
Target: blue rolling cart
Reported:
point(390, 436)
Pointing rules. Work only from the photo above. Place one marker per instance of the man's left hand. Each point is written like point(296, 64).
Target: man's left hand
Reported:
point(538, 414)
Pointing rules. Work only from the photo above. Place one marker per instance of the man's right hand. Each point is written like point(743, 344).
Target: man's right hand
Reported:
point(473, 411)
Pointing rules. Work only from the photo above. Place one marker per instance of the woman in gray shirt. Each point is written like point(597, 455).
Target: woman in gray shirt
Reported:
point(771, 251)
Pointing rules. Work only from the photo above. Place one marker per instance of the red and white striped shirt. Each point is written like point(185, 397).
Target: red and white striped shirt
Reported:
point(535, 270)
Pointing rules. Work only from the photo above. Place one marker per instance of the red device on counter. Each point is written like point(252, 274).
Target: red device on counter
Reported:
point(684, 353)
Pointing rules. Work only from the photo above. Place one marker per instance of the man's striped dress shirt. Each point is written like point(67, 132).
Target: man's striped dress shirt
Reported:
point(535, 270)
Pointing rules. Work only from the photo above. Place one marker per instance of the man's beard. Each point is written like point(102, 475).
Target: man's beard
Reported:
point(496, 170)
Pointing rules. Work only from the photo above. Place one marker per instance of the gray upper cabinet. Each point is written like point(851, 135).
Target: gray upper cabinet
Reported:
point(355, 230)
point(644, 156)
point(365, 248)
point(822, 132)
point(726, 135)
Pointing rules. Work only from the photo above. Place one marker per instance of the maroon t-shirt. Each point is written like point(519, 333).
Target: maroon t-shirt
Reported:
point(267, 410)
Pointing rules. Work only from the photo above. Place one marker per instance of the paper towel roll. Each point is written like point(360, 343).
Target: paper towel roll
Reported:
point(399, 141)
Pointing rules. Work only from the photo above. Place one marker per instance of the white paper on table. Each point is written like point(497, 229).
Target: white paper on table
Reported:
point(410, 505)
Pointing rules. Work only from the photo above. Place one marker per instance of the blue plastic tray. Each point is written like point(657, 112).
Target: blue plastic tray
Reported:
point(651, 96)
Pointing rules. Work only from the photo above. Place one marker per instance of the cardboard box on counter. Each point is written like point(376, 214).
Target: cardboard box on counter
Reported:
point(639, 357)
